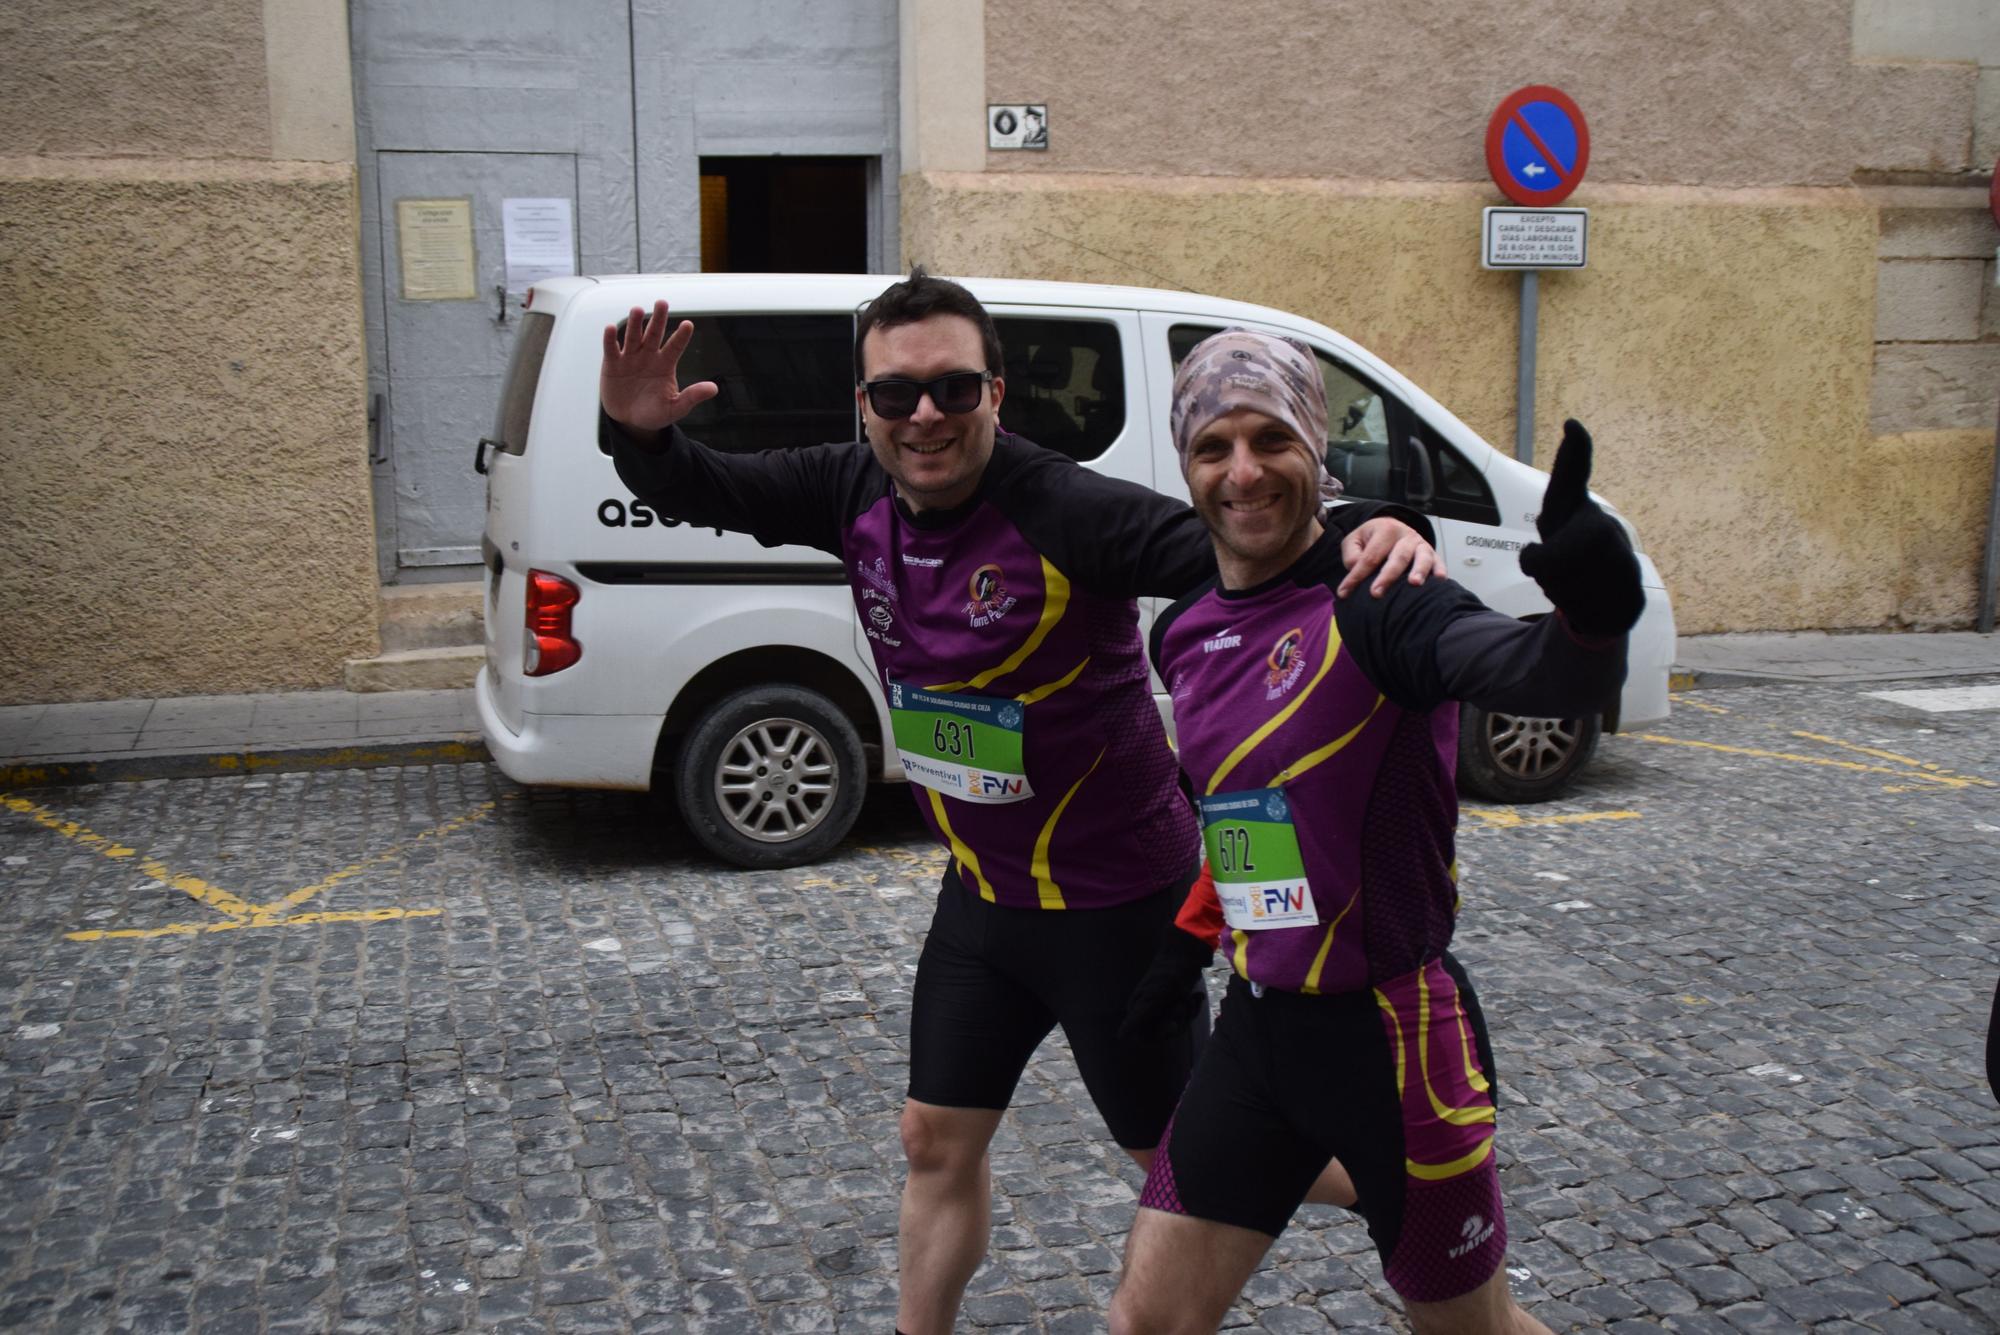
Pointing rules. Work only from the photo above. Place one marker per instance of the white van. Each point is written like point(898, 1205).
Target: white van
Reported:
point(624, 649)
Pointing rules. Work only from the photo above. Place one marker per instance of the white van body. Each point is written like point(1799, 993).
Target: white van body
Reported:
point(670, 617)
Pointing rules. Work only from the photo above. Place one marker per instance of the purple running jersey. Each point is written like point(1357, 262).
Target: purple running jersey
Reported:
point(1023, 595)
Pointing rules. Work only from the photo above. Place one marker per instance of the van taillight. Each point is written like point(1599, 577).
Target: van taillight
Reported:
point(550, 646)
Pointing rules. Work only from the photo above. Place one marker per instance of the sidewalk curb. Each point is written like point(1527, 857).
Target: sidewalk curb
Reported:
point(1707, 679)
point(64, 772)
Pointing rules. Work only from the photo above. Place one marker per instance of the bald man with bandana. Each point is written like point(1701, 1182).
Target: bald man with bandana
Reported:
point(1319, 734)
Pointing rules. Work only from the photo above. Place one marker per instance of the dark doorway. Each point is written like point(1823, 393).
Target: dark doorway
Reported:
point(784, 215)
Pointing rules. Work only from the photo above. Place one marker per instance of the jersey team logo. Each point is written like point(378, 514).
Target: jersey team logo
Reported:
point(1287, 663)
point(990, 599)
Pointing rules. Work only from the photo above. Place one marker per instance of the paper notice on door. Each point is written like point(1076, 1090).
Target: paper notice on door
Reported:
point(541, 240)
point(435, 240)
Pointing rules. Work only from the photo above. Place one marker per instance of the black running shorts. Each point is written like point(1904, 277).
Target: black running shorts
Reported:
point(992, 982)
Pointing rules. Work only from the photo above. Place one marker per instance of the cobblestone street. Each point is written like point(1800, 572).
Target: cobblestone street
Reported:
point(415, 1049)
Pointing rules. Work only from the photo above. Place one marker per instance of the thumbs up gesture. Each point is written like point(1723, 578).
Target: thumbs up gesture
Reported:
point(1584, 562)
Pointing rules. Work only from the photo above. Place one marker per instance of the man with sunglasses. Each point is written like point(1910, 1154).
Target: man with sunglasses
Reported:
point(996, 581)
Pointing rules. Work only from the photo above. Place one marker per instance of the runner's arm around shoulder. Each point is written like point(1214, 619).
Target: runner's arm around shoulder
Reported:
point(1441, 643)
point(776, 496)
point(1123, 540)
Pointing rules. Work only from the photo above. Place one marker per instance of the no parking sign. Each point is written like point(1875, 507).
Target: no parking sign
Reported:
point(1537, 146)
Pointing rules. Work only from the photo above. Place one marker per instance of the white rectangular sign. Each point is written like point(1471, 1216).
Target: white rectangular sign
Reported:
point(1534, 238)
point(540, 240)
point(1017, 125)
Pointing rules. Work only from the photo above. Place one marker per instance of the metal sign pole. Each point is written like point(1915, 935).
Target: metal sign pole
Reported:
point(1524, 380)
point(1989, 568)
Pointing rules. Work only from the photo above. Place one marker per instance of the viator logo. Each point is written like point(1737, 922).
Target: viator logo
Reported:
point(1475, 1230)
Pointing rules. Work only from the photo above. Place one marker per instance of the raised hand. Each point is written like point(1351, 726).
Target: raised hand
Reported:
point(639, 385)
point(1584, 561)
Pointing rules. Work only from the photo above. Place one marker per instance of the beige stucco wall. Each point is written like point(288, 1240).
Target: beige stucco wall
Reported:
point(1711, 95)
point(182, 428)
point(1718, 346)
point(117, 79)
point(182, 400)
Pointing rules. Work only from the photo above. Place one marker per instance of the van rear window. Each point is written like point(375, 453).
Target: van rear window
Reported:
point(524, 371)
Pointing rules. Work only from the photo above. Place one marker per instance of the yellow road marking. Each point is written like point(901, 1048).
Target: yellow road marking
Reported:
point(1506, 818)
point(1948, 780)
point(1931, 771)
point(300, 896)
point(241, 913)
point(260, 920)
point(192, 886)
point(1697, 704)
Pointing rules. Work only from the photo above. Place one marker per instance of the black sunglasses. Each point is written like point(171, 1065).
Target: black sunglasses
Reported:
point(958, 392)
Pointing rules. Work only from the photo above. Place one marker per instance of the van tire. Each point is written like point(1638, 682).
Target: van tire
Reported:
point(731, 780)
point(1513, 758)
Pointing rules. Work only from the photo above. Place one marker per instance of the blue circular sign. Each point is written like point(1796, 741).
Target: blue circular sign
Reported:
point(1537, 146)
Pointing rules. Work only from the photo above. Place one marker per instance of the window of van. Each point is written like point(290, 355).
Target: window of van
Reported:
point(785, 381)
point(524, 371)
point(1424, 473)
point(1065, 383)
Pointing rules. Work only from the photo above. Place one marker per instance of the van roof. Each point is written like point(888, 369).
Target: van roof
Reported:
point(778, 291)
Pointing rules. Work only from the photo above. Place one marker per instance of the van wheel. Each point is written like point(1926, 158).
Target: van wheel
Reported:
point(770, 777)
point(1512, 758)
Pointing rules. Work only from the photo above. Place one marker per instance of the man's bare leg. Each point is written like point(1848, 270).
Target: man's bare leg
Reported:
point(1489, 1309)
point(1333, 1187)
point(1182, 1273)
point(947, 1212)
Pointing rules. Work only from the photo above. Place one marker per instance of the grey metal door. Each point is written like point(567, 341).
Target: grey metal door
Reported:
point(476, 100)
point(448, 353)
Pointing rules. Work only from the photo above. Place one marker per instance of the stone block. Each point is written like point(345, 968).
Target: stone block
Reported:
point(1986, 118)
point(1934, 30)
point(1913, 117)
point(1928, 300)
point(1935, 223)
point(1934, 387)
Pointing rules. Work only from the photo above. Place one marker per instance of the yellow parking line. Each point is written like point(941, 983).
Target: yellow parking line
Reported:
point(1703, 706)
point(1930, 770)
point(242, 914)
point(1948, 780)
point(1505, 818)
point(251, 924)
point(301, 895)
point(192, 886)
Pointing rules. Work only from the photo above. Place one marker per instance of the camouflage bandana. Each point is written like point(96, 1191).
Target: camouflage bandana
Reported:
point(1238, 368)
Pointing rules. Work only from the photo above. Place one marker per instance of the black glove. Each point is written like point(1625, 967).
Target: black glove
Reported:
point(1584, 562)
point(1170, 993)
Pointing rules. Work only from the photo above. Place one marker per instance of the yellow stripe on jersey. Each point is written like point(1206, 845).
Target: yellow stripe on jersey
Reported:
point(1326, 946)
point(1277, 720)
point(959, 849)
point(1055, 601)
point(1051, 893)
point(1311, 758)
point(1440, 1172)
point(1044, 692)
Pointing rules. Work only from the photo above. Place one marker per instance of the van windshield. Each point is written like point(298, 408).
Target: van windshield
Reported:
point(524, 372)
